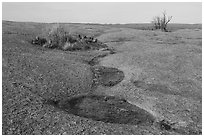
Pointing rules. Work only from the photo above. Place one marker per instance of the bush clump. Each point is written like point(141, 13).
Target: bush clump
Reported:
point(61, 39)
point(58, 37)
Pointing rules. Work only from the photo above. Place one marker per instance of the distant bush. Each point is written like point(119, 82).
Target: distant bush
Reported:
point(161, 22)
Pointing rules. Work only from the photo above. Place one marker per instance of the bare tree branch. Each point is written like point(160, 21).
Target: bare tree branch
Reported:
point(161, 22)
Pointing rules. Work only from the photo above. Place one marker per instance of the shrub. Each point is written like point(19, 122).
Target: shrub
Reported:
point(161, 22)
point(59, 37)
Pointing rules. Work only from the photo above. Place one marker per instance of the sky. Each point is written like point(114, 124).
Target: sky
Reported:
point(101, 12)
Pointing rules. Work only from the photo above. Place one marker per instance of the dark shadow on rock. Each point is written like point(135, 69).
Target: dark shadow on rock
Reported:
point(107, 109)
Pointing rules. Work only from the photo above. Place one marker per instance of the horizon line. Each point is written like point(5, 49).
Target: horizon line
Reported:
point(91, 23)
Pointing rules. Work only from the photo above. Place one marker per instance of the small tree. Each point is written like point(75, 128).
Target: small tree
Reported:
point(161, 22)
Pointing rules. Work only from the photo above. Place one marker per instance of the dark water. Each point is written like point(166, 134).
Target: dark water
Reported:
point(107, 109)
point(108, 76)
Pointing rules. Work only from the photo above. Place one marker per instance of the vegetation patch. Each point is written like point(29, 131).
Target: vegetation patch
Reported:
point(60, 39)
